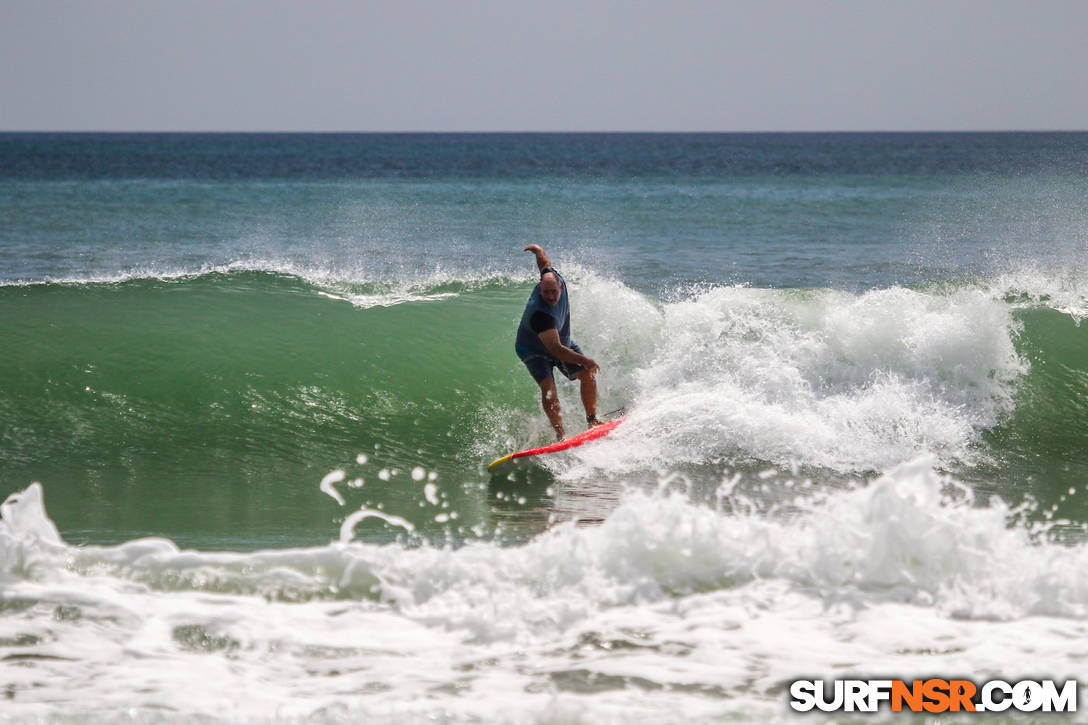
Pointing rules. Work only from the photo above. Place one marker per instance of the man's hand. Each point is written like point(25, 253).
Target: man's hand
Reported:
point(542, 261)
point(592, 366)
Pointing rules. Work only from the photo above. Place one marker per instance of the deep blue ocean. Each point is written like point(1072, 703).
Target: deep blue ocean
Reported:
point(250, 384)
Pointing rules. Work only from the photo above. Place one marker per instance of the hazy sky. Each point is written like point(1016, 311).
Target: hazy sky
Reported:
point(451, 65)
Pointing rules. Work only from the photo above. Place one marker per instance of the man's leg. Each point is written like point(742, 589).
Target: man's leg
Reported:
point(588, 383)
point(549, 398)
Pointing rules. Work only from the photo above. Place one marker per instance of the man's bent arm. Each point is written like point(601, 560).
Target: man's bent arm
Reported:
point(550, 338)
point(542, 261)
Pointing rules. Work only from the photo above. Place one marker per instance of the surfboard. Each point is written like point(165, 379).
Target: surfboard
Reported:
point(592, 434)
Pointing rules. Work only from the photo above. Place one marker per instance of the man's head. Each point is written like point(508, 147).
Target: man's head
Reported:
point(550, 288)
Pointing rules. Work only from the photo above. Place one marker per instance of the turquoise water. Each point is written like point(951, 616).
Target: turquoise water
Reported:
point(853, 366)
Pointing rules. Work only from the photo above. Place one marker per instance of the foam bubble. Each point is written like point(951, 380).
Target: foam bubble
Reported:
point(328, 485)
point(347, 529)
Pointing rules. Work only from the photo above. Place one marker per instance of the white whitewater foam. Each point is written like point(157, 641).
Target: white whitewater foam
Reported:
point(832, 379)
point(1065, 291)
point(667, 611)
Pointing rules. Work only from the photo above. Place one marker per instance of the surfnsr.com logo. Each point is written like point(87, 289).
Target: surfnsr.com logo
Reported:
point(934, 695)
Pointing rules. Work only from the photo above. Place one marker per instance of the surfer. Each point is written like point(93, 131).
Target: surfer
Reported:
point(544, 343)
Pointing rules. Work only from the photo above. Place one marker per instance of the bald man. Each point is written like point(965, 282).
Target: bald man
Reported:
point(544, 343)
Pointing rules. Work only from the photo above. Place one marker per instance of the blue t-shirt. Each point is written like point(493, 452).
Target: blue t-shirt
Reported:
point(528, 341)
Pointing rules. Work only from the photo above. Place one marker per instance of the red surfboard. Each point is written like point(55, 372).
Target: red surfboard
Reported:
point(592, 434)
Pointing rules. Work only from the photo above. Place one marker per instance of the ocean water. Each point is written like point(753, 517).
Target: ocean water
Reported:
point(249, 385)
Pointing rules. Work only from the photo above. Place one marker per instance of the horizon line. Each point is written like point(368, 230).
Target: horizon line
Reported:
point(538, 132)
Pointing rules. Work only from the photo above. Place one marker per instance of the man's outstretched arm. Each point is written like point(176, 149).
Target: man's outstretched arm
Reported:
point(542, 261)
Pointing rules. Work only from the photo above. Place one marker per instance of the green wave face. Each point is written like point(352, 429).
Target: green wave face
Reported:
point(219, 402)
point(209, 408)
point(1043, 440)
